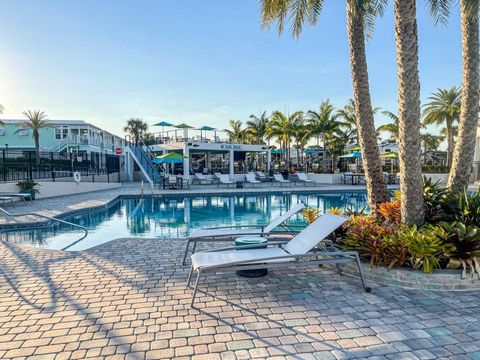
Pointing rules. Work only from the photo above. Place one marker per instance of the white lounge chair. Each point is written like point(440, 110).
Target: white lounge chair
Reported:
point(303, 178)
point(261, 176)
point(22, 196)
point(202, 179)
point(347, 177)
point(250, 178)
point(231, 232)
point(280, 179)
point(224, 179)
point(297, 251)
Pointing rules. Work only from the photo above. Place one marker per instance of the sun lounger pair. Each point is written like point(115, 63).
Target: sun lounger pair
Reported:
point(297, 251)
point(224, 179)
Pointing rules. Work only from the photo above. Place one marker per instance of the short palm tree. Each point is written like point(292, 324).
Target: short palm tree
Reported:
point(236, 134)
point(468, 120)
point(349, 123)
point(36, 120)
point(444, 109)
point(360, 16)
point(256, 128)
point(392, 127)
point(136, 127)
point(321, 123)
point(283, 128)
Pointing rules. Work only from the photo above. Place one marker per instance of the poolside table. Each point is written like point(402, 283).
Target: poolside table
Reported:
point(252, 240)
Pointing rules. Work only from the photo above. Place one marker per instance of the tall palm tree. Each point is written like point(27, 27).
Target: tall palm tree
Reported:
point(392, 127)
point(360, 15)
point(256, 128)
point(36, 120)
point(349, 123)
point(236, 134)
point(301, 136)
point(406, 39)
point(136, 127)
point(444, 109)
point(321, 123)
point(283, 128)
point(2, 109)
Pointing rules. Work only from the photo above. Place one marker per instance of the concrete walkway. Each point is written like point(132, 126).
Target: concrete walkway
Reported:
point(127, 300)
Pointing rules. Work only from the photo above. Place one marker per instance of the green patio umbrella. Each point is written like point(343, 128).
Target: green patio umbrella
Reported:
point(390, 155)
point(356, 148)
point(169, 158)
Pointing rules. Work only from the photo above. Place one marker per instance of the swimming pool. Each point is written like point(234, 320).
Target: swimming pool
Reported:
point(174, 217)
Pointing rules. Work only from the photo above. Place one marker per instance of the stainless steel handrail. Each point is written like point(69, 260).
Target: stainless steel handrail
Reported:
point(51, 219)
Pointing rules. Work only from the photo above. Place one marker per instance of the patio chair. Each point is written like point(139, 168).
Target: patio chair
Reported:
point(229, 233)
point(261, 176)
point(303, 178)
point(297, 251)
point(172, 182)
point(250, 178)
point(202, 179)
point(5, 199)
point(225, 180)
point(281, 180)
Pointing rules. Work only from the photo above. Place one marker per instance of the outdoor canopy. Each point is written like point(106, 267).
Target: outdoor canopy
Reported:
point(312, 151)
point(278, 152)
point(163, 123)
point(353, 155)
point(169, 158)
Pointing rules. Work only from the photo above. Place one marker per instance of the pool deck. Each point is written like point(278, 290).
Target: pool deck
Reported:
point(126, 299)
point(61, 205)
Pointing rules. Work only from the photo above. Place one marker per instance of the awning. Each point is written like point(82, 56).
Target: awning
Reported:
point(169, 158)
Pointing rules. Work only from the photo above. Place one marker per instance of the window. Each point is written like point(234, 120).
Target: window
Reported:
point(23, 131)
point(2, 131)
point(387, 150)
point(61, 132)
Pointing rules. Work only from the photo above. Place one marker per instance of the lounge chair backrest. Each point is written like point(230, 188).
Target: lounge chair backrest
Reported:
point(225, 178)
point(217, 175)
point(302, 176)
point(278, 177)
point(172, 179)
point(284, 217)
point(250, 177)
point(261, 175)
point(200, 176)
point(314, 233)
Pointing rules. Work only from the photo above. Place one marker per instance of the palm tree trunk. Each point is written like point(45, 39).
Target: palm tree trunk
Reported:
point(36, 139)
point(376, 187)
point(467, 129)
point(449, 142)
point(411, 181)
point(324, 154)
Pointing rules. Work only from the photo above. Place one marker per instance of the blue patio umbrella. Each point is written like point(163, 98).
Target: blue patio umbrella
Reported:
point(312, 151)
point(278, 152)
point(206, 128)
point(353, 155)
point(163, 124)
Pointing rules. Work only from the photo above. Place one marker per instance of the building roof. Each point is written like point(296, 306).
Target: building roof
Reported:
point(54, 122)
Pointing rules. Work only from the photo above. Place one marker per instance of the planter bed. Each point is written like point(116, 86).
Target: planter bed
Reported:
point(440, 279)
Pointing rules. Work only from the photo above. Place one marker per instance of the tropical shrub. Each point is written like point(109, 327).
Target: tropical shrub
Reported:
point(390, 212)
point(465, 242)
point(435, 199)
point(336, 211)
point(310, 214)
point(425, 248)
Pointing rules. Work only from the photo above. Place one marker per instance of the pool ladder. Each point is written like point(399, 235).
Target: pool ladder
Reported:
point(52, 219)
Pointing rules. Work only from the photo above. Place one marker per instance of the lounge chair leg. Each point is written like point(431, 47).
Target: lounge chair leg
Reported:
point(190, 276)
point(360, 273)
point(186, 252)
point(194, 247)
point(195, 288)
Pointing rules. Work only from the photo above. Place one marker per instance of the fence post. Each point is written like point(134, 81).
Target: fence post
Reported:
point(51, 166)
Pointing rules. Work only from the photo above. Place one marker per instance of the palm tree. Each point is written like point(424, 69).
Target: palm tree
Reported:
point(430, 143)
point(411, 180)
point(349, 123)
point(444, 109)
point(360, 15)
point(36, 120)
point(302, 136)
point(283, 128)
point(465, 147)
point(2, 109)
point(136, 127)
point(392, 127)
point(321, 123)
point(236, 134)
point(256, 128)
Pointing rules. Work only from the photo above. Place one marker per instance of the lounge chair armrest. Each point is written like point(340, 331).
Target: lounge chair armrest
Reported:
point(243, 247)
point(235, 227)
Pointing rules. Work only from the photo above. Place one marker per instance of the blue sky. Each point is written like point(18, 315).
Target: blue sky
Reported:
point(199, 62)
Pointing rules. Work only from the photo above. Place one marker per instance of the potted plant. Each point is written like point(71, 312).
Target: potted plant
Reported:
point(29, 187)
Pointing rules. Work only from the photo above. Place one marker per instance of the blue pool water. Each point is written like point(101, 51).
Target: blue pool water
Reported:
point(175, 217)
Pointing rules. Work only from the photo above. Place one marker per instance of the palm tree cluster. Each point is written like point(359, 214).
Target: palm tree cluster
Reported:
point(361, 15)
point(331, 128)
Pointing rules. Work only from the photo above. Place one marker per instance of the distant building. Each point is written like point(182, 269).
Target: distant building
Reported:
point(64, 136)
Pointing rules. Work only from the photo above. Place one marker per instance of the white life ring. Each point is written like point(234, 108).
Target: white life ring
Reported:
point(77, 177)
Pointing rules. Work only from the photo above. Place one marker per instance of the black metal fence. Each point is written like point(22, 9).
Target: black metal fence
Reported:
point(17, 165)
